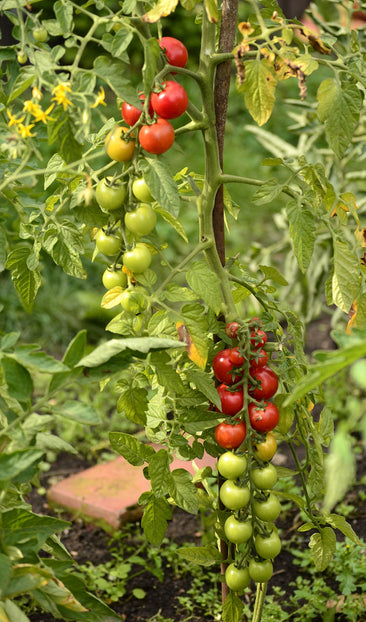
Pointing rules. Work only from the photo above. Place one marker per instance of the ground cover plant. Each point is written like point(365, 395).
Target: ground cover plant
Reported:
point(204, 351)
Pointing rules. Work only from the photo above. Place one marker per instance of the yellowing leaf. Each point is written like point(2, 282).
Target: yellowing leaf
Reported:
point(161, 9)
point(112, 297)
point(259, 87)
point(192, 350)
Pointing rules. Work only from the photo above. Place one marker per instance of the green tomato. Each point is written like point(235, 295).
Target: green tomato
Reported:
point(40, 34)
point(231, 465)
point(267, 510)
point(237, 579)
point(237, 531)
point(133, 300)
point(22, 58)
point(108, 244)
point(265, 478)
point(113, 277)
point(138, 259)
point(109, 194)
point(142, 220)
point(141, 190)
point(234, 497)
point(260, 572)
point(269, 547)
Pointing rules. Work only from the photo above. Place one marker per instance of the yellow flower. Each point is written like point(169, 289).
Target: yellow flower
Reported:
point(25, 130)
point(36, 93)
point(100, 98)
point(30, 106)
point(43, 115)
point(59, 93)
point(12, 118)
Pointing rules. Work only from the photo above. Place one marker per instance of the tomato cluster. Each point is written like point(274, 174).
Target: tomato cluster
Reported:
point(245, 385)
point(126, 197)
point(236, 377)
point(253, 506)
point(168, 100)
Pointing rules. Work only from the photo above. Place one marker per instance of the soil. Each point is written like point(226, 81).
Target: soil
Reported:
point(88, 543)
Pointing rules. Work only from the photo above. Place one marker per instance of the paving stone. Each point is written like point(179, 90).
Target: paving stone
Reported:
point(107, 493)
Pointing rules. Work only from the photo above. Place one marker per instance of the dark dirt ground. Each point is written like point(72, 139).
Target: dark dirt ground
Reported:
point(90, 543)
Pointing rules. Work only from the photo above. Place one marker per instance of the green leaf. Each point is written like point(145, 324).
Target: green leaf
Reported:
point(107, 350)
point(133, 450)
point(272, 274)
point(26, 282)
point(77, 411)
point(64, 242)
point(64, 13)
point(339, 522)
point(205, 284)
point(332, 363)
point(152, 53)
point(161, 183)
point(29, 356)
point(269, 191)
point(5, 572)
point(72, 356)
point(18, 379)
point(21, 526)
point(175, 293)
point(172, 221)
point(14, 613)
point(113, 72)
point(22, 82)
point(159, 473)
point(155, 520)
point(12, 465)
point(259, 87)
point(46, 441)
point(204, 383)
point(340, 469)
point(133, 402)
point(183, 491)
point(166, 374)
point(201, 555)
point(346, 275)
point(302, 232)
point(322, 545)
point(232, 610)
point(54, 169)
point(339, 106)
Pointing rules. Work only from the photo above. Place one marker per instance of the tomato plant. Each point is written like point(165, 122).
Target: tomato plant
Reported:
point(110, 194)
point(137, 259)
point(175, 51)
point(142, 220)
point(108, 243)
point(133, 299)
point(230, 436)
point(263, 418)
point(231, 465)
point(157, 137)
point(119, 147)
point(171, 102)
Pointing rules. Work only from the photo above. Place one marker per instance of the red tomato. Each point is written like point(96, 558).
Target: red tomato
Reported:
point(263, 418)
point(230, 436)
point(231, 401)
point(258, 338)
point(223, 368)
point(171, 102)
point(231, 329)
point(268, 383)
point(158, 137)
point(131, 114)
point(260, 359)
point(236, 358)
point(175, 51)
